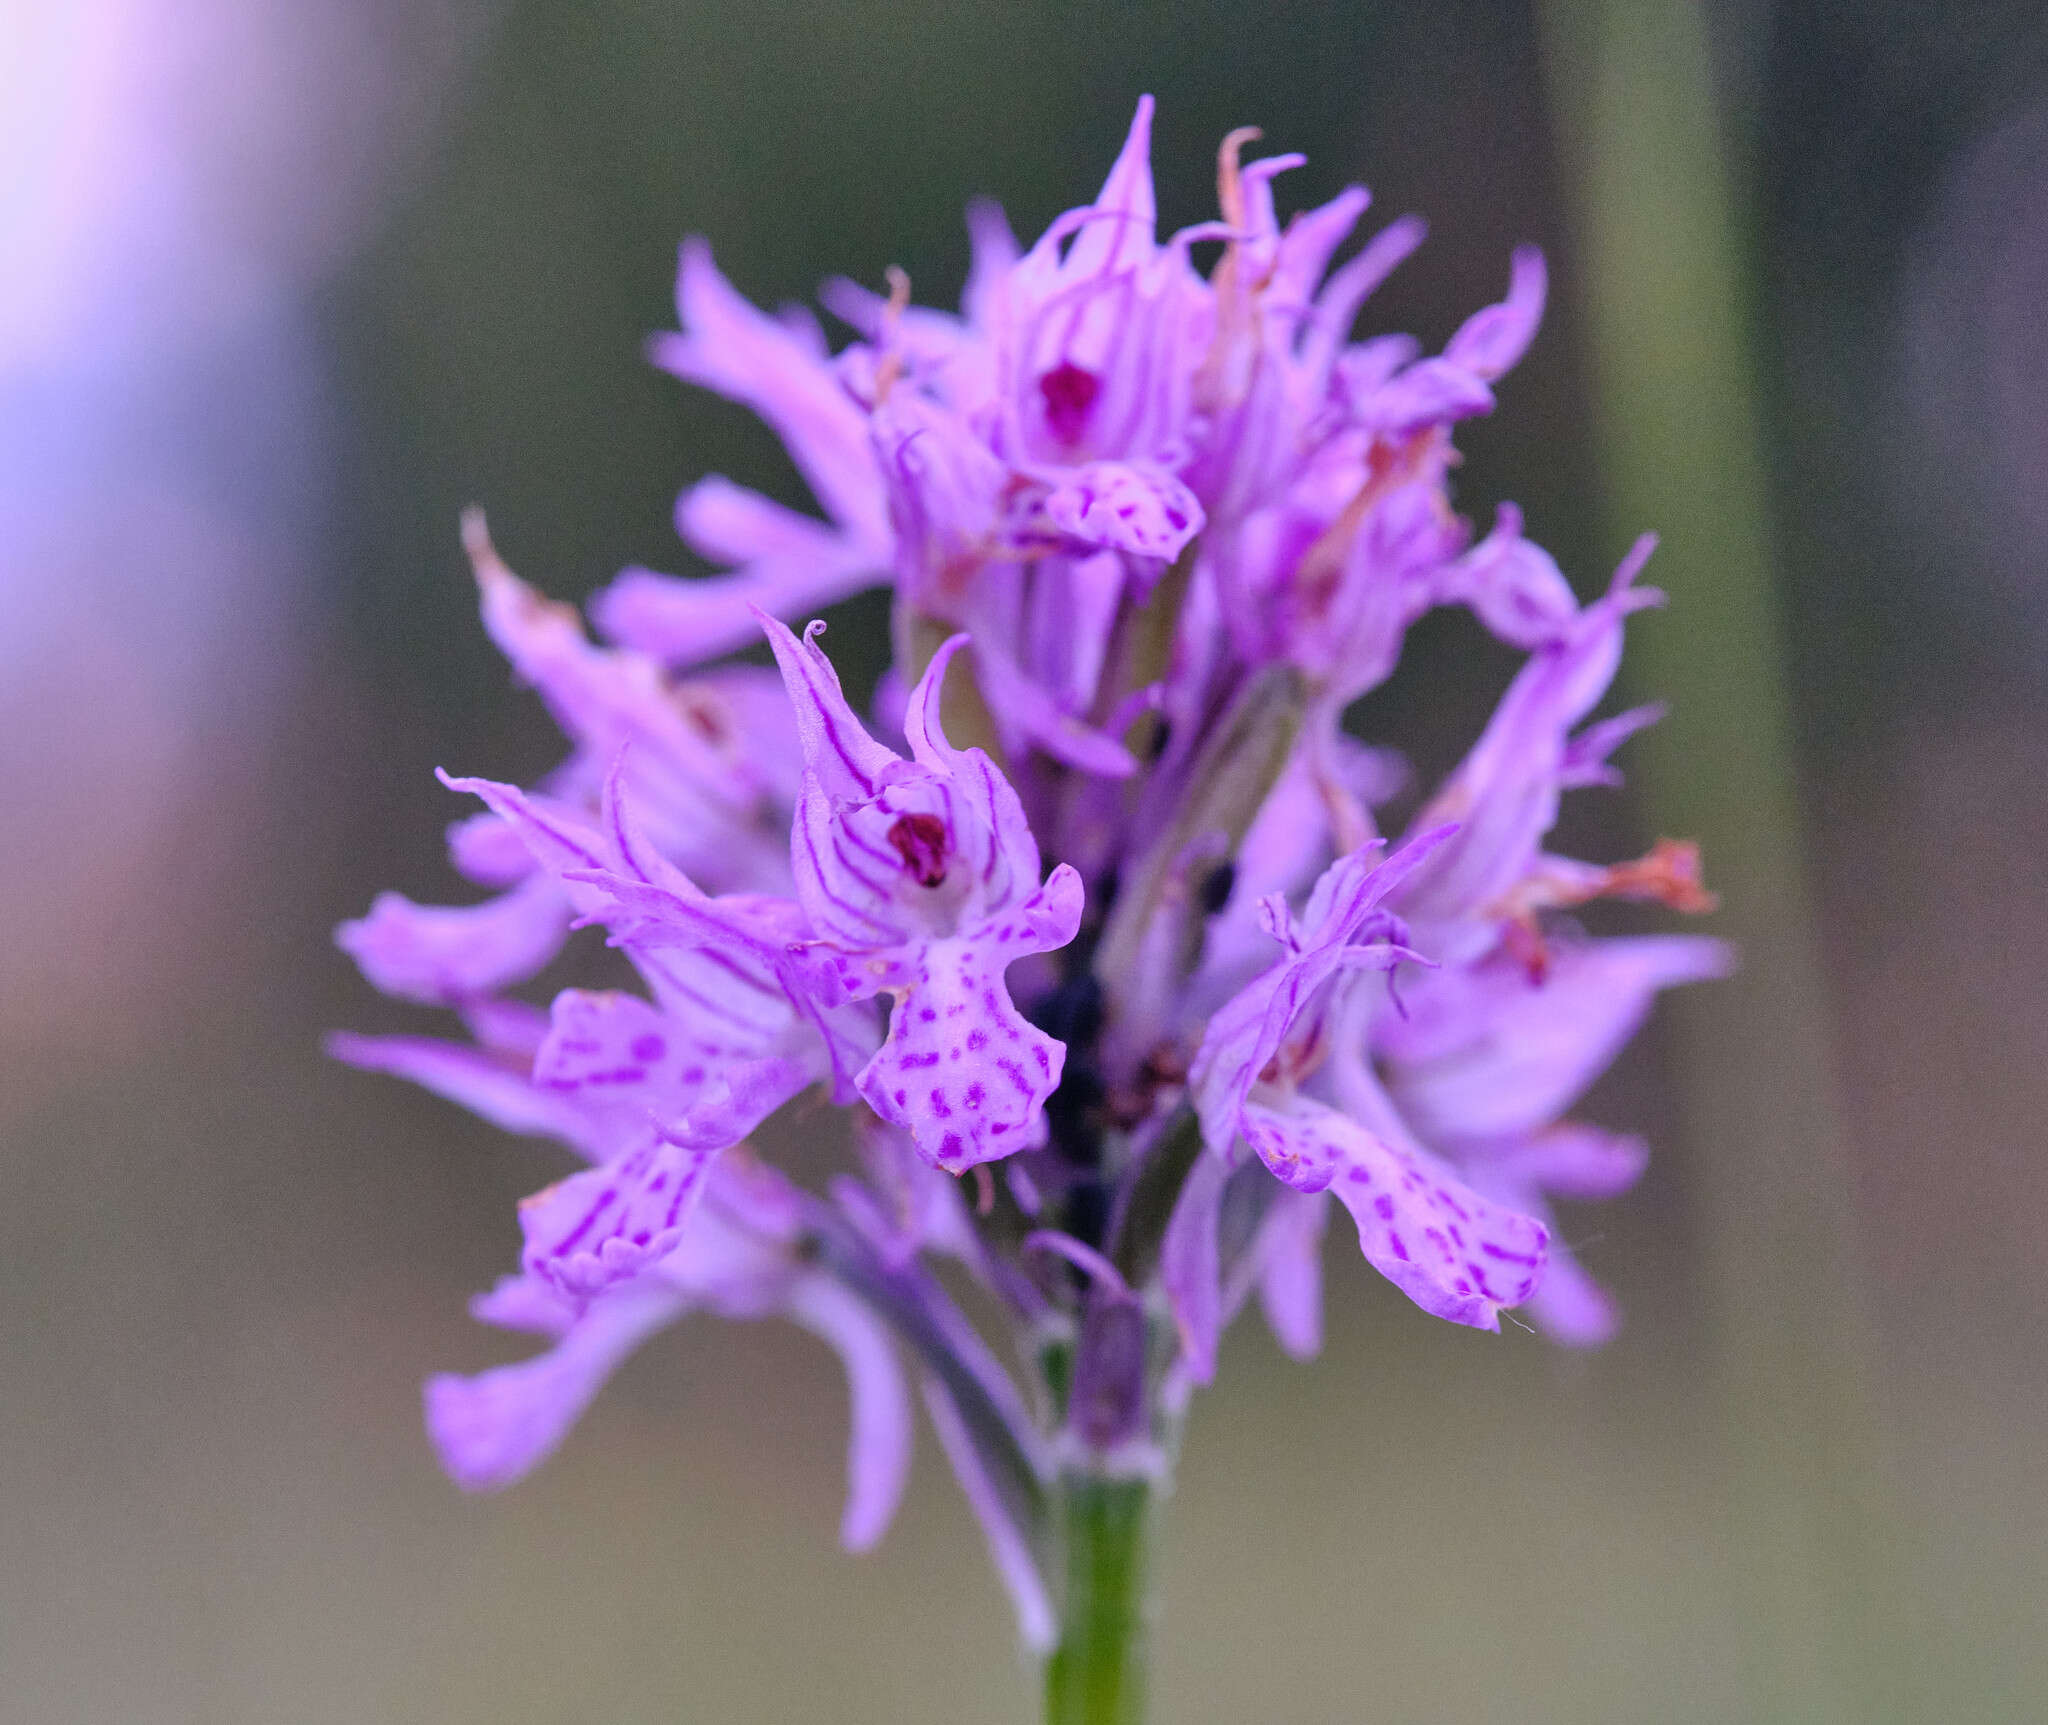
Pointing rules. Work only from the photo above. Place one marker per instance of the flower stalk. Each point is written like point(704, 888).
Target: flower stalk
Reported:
point(1097, 1673)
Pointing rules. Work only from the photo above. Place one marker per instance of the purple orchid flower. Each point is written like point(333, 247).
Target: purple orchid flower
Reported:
point(1115, 999)
point(921, 879)
point(1443, 1245)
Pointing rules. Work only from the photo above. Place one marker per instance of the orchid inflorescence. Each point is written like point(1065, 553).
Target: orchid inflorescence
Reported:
point(1088, 923)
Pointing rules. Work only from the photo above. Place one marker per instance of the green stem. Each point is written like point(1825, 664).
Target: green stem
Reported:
point(1096, 1675)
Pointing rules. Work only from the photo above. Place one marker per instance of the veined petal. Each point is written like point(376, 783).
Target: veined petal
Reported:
point(892, 856)
point(1004, 850)
point(841, 757)
point(559, 838)
point(1273, 1030)
point(1126, 215)
point(605, 1226)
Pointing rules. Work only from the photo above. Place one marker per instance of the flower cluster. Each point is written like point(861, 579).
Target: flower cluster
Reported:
point(1089, 923)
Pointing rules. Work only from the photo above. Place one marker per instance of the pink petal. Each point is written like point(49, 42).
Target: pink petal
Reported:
point(606, 1225)
point(503, 1093)
point(1430, 392)
point(1291, 1272)
point(495, 1428)
point(846, 762)
point(879, 1444)
point(1491, 341)
point(1453, 1253)
point(1487, 1053)
point(1311, 240)
point(1505, 792)
point(961, 1070)
point(1574, 1160)
point(1127, 214)
point(1190, 1267)
point(1009, 1544)
point(1126, 507)
point(1513, 585)
point(1034, 713)
point(485, 849)
point(729, 346)
point(1349, 286)
point(701, 1077)
point(443, 954)
point(791, 565)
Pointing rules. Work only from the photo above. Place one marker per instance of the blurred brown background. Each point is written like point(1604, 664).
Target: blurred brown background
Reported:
point(287, 282)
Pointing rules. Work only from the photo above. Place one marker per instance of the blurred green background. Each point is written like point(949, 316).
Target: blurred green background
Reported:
point(291, 281)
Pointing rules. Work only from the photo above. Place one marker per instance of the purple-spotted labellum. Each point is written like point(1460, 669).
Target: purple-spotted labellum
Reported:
point(1090, 924)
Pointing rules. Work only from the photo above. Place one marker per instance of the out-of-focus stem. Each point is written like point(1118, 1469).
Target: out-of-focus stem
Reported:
point(1665, 297)
point(1096, 1675)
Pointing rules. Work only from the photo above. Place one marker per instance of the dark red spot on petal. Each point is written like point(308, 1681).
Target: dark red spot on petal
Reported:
point(1070, 394)
point(924, 845)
